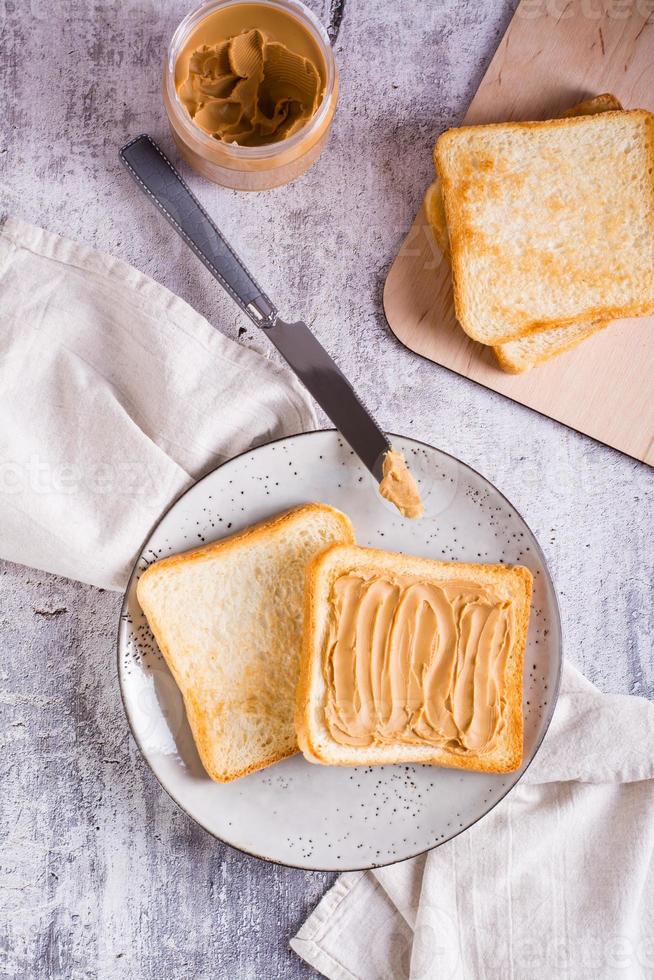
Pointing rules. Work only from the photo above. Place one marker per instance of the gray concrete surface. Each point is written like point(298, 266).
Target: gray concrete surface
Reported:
point(100, 875)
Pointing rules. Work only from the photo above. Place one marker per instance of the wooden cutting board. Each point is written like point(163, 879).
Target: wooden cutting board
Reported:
point(553, 55)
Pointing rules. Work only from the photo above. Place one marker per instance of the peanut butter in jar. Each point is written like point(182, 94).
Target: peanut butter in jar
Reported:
point(250, 89)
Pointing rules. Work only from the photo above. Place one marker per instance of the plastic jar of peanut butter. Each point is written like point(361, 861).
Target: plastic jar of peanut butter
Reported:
point(250, 88)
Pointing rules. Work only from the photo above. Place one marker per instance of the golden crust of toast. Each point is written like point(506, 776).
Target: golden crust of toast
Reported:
point(606, 102)
point(516, 356)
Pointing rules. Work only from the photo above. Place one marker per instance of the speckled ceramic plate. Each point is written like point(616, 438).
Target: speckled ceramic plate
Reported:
point(321, 817)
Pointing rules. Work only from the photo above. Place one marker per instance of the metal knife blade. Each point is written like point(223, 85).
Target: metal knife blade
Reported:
point(157, 178)
point(331, 389)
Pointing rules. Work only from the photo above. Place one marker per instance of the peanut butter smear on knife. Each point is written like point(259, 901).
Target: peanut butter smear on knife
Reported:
point(399, 486)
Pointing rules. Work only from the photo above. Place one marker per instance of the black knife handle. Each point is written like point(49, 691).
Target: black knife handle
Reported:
point(156, 176)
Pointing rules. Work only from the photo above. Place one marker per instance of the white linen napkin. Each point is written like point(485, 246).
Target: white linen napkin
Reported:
point(557, 881)
point(114, 397)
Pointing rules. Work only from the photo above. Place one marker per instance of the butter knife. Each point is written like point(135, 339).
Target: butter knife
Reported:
point(157, 178)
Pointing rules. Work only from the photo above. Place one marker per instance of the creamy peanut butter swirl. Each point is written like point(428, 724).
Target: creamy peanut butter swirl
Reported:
point(411, 662)
point(250, 90)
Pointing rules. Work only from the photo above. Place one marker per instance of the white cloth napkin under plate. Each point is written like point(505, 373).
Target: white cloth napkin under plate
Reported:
point(115, 396)
point(556, 882)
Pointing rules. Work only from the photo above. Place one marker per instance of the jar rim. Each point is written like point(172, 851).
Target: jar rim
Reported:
point(236, 152)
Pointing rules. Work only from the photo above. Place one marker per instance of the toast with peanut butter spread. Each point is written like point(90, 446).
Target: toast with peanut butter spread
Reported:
point(228, 619)
point(412, 660)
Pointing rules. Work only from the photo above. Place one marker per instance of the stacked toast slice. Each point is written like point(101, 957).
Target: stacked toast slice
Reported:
point(548, 226)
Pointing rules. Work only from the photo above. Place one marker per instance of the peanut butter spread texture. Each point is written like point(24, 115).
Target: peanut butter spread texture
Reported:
point(411, 662)
point(399, 487)
point(250, 90)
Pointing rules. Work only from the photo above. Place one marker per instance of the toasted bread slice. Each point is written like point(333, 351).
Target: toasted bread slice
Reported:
point(434, 206)
point(320, 694)
point(521, 355)
point(228, 620)
point(550, 223)
point(606, 102)
point(435, 211)
point(517, 356)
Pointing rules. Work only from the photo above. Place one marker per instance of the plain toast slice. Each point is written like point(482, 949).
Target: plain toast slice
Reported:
point(517, 356)
point(549, 222)
point(228, 619)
